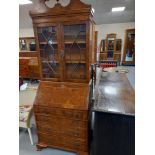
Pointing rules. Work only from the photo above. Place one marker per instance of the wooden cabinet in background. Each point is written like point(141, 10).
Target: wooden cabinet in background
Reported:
point(117, 56)
point(27, 44)
point(65, 42)
point(95, 45)
point(118, 45)
point(110, 49)
point(28, 58)
point(129, 47)
point(103, 56)
point(27, 47)
point(34, 68)
point(110, 45)
point(23, 67)
point(29, 68)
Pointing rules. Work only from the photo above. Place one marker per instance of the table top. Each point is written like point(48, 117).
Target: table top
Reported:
point(114, 94)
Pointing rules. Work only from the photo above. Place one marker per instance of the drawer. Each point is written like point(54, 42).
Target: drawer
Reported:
point(63, 142)
point(59, 122)
point(63, 130)
point(80, 134)
point(34, 71)
point(65, 113)
point(23, 71)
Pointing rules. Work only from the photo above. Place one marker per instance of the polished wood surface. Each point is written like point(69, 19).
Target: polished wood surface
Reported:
point(28, 60)
point(63, 95)
point(28, 54)
point(115, 94)
point(62, 114)
point(29, 68)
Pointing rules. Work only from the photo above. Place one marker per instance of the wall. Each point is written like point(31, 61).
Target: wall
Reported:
point(118, 28)
point(26, 32)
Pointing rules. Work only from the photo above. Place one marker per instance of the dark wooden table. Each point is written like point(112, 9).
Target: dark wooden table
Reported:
point(114, 122)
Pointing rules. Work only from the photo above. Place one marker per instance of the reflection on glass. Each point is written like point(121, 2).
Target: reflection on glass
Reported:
point(75, 51)
point(32, 45)
point(23, 45)
point(49, 52)
point(111, 47)
point(102, 46)
point(129, 55)
point(130, 47)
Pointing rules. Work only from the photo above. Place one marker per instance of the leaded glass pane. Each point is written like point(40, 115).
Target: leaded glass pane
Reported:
point(49, 52)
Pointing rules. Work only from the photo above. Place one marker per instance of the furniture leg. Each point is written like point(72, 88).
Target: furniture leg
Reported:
point(30, 134)
point(40, 147)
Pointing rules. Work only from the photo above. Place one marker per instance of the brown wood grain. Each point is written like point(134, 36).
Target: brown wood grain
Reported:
point(61, 105)
point(63, 95)
point(28, 61)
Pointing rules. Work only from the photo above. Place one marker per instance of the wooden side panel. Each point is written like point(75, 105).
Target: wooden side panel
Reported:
point(117, 56)
point(23, 67)
point(95, 45)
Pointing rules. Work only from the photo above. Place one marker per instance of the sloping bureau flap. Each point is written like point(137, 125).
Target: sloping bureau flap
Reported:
point(63, 95)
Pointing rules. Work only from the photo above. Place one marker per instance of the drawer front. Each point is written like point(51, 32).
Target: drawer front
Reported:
point(80, 134)
point(63, 142)
point(72, 114)
point(23, 71)
point(59, 122)
point(51, 129)
point(34, 71)
point(23, 61)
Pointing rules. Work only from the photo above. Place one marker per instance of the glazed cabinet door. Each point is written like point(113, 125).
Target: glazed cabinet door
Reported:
point(49, 45)
point(75, 51)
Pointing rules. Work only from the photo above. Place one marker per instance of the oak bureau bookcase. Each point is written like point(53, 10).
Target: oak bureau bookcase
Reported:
point(65, 41)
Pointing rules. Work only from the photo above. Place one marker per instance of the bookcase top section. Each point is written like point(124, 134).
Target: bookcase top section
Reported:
point(74, 7)
point(63, 95)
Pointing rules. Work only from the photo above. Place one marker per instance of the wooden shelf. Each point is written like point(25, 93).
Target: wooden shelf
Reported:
point(76, 61)
point(71, 42)
point(44, 43)
point(45, 61)
point(53, 50)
